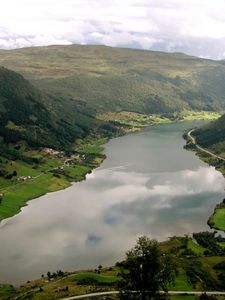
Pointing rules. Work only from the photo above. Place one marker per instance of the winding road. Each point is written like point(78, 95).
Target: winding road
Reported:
point(201, 148)
point(172, 293)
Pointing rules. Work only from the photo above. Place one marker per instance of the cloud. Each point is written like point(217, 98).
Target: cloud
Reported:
point(97, 220)
point(194, 27)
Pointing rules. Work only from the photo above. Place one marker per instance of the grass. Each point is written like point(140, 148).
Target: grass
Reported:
point(132, 121)
point(222, 244)
point(18, 195)
point(181, 283)
point(136, 121)
point(77, 172)
point(217, 220)
point(197, 249)
point(47, 176)
point(6, 290)
point(199, 115)
point(101, 279)
point(183, 297)
point(83, 282)
point(90, 145)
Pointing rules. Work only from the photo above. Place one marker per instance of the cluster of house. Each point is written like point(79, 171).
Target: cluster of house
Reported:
point(74, 158)
point(24, 178)
point(59, 154)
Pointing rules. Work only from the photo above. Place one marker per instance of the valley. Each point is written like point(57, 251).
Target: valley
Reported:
point(94, 134)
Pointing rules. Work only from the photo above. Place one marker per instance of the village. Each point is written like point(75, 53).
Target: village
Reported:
point(67, 161)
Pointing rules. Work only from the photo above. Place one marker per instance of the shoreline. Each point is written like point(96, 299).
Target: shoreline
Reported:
point(191, 144)
point(164, 126)
point(67, 184)
point(47, 182)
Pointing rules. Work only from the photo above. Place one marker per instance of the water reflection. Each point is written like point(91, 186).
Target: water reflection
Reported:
point(95, 221)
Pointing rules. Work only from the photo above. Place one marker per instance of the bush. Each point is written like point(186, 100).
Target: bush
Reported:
point(87, 281)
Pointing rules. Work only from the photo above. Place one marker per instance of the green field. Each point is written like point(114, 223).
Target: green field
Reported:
point(199, 115)
point(183, 297)
point(17, 196)
point(196, 273)
point(181, 283)
point(101, 279)
point(197, 249)
point(217, 220)
point(6, 290)
point(90, 145)
point(50, 175)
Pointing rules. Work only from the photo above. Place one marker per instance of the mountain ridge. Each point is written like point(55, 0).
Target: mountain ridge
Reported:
point(100, 78)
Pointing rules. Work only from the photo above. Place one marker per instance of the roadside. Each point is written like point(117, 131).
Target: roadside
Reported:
point(217, 219)
point(201, 148)
point(200, 267)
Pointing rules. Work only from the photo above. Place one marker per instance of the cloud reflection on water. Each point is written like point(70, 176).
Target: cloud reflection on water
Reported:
point(95, 221)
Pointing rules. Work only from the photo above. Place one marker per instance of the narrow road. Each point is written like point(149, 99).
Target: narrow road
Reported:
point(30, 180)
point(172, 293)
point(201, 148)
point(92, 295)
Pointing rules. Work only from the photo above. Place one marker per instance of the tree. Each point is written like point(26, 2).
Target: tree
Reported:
point(49, 275)
point(206, 297)
point(146, 271)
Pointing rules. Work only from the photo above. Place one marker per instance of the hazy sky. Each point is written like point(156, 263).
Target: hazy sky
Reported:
point(192, 26)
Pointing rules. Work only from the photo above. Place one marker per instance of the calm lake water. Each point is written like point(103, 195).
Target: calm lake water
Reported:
point(147, 185)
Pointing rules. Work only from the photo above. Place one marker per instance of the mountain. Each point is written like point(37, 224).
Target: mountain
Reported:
point(26, 116)
point(92, 79)
point(63, 88)
point(212, 136)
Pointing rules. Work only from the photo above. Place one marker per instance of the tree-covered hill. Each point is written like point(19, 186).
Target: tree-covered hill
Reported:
point(26, 116)
point(212, 136)
point(69, 85)
point(100, 78)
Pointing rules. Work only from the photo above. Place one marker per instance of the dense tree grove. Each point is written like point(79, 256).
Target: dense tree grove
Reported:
point(146, 271)
point(210, 241)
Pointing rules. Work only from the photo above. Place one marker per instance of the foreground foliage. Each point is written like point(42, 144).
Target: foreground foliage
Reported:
point(195, 271)
point(146, 271)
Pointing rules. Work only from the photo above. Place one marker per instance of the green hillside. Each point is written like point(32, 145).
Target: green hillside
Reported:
point(26, 116)
point(100, 78)
point(198, 268)
point(23, 115)
point(212, 136)
point(71, 98)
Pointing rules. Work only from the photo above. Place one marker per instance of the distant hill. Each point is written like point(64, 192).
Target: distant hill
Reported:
point(212, 136)
point(62, 88)
point(26, 116)
point(90, 79)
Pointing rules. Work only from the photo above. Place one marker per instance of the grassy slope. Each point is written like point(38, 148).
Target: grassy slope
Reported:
point(45, 177)
point(82, 282)
point(112, 79)
point(26, 125)
point(212, 137)
point(217, 220)
point(78, 80)
point(26, 115)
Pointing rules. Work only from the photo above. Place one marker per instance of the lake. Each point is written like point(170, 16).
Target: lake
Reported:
point(147, 185)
